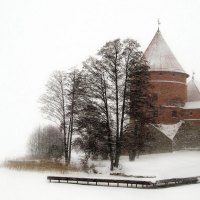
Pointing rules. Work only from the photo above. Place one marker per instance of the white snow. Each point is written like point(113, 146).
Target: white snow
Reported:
point(162, 166)
point(192, 105)
point(169, 130)
point(160, 57)
point(197, 83)
point(164, 81)
point(20, 185)
point(191, 119)
point(170, 106)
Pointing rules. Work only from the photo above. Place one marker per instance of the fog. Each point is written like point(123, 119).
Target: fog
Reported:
point(40, 36)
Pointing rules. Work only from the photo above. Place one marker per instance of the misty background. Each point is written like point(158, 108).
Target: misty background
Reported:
point(40, 36)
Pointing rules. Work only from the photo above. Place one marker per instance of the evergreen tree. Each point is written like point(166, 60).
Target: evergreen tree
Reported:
point(141, 110)
point(92, 133)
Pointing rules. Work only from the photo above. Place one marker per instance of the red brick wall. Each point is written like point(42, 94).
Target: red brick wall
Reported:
point(174, 76)
point(171, 91)
point(166, 115)
point(192, 115)
point(170, 87)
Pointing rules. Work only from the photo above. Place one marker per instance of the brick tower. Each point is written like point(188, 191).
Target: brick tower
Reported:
point(178, 103)
point(168, 80)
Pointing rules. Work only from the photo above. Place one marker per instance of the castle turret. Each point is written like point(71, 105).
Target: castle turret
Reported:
point(168, 80)
point(193, 91)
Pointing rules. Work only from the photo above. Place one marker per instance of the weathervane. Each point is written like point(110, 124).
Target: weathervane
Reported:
point(158, 24)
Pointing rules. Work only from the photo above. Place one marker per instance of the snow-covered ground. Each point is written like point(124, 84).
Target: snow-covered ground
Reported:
point(163, 166)
point(23, 185)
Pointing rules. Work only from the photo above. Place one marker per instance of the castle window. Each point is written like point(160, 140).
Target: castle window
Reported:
point(190, 113)
point(160, 73)
point(173, 74)
point(174, 113)
point(155, 96)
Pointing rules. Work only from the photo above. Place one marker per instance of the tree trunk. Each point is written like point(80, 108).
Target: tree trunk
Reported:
point(104, 88)
point(72, 117)
point(132, 154)
point(68, 141)
point(64, 123)
point(65, 144)
point(118, 150)
point(117, 116)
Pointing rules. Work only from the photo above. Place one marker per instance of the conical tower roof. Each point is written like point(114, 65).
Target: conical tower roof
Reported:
point(160, 57)
point(193, 90)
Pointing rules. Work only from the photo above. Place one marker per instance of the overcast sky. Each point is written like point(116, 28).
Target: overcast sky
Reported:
point(40, 36)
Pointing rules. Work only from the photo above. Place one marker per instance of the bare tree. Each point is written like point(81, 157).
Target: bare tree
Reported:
point(108, 79)
point(119, 58)
point(74, 91)
point(105, 86)
point(99, 95)
point(59, 104)
point(46, 143)
point(54, 103)
point(34, 143)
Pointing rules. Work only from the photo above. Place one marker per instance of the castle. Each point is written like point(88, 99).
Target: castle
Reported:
point(177, 102)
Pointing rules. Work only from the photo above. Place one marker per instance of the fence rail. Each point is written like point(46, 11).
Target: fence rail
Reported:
point(124, 182)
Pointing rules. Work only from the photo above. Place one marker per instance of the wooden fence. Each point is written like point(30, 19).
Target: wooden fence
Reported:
point(124, 182)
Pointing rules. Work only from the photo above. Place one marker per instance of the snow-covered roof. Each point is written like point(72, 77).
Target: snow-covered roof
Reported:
point(160, 57)
point(193, 90)
point(169, 130)
point(192, 105)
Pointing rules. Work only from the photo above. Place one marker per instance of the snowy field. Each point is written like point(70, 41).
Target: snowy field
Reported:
point(23, 185)
point(163, 166)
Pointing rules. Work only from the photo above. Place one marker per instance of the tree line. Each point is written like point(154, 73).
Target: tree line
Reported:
point(103, 109)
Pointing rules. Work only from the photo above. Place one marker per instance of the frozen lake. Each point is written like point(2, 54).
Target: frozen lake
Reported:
point(16, 185)
point(25, 185)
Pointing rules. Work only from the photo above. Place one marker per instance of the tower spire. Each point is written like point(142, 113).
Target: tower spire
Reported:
point(158, 24)
point(160, 57)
